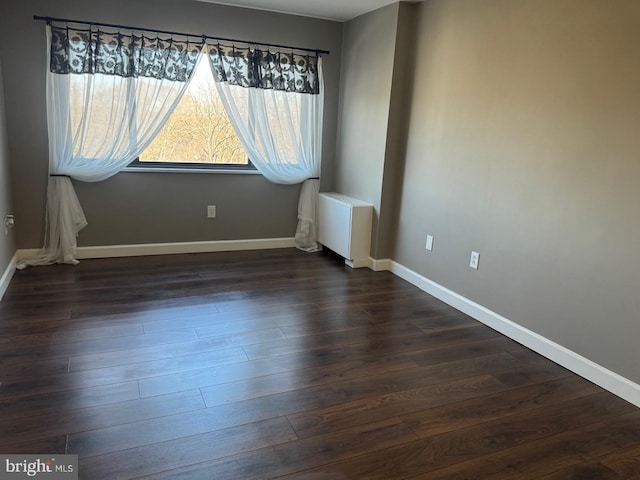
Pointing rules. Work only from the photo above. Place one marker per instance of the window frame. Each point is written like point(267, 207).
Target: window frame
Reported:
point(159, 166)
point(172, 166)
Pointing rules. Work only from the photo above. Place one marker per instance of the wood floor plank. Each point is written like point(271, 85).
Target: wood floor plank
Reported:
point(92, 361)
point(480, 468)
point(536, 371)
point(455, 415)
point(186, 451)
point(19, 385)
point(285, 365)
point(158, 429)
point(590, 470)
point(52, 350)
point(410, 304)
point(145, 432)
point(390, 382)
point(320, 365)
point(34, 445)
point(354, 320)
point(68, 400)
point(441, 321)
point(294, 379)
point(457, 351)
point(583, 444)
point(15, 315)
point(427, 389)
point(244, 320)
point(48, 325)
point(407, 336)
point(349, 414)
point(535, 459)
point(332, 339)
point(102, 416)
point(279, 460)
point(460, 445)
point(204, 377)
point(70, 335)
point(625, 463)
point(231, 339)
point(399, 300)
point(34, 369)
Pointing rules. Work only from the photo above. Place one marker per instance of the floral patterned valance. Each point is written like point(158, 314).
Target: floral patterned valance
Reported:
point(91, 50)
point(253, 67)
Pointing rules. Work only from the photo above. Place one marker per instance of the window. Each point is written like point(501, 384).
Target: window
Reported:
point(198, 134)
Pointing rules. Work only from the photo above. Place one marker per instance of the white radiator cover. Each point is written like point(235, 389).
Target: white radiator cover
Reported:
point(344, 226)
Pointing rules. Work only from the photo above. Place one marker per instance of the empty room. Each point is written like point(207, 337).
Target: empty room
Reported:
point(286, 239)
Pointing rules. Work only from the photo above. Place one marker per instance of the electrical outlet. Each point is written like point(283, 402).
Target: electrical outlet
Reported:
point(475, 260)
point(429, 244)
point(9, 222)
point(211, 211)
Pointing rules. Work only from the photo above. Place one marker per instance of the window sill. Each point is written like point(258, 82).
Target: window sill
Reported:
point(189, 170)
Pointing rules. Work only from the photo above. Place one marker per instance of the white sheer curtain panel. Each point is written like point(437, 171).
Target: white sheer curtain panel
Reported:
point(275, 103)
point(108, 95)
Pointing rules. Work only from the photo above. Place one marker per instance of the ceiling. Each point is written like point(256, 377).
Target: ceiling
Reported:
point(340, 10)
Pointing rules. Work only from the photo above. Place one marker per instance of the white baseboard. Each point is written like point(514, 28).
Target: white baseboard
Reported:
point(8, 275)
point(381, 265)
point(138, 250)
point(611, 381)
point(357, 263)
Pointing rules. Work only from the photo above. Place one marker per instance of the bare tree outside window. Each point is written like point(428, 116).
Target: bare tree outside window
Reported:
point(198, 131)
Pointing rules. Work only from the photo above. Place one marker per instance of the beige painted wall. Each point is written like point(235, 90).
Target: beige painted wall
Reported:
point(142, 208)
point(523, 145)
point(7, 247)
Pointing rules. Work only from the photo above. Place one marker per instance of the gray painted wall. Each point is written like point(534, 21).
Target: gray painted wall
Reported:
point(523, 145)
point(365, 94)
point(377, 64)
point(397, 131)
point(7, 248)
point(162, 207)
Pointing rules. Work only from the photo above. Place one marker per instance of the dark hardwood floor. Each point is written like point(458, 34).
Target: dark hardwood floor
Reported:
point(281, 364)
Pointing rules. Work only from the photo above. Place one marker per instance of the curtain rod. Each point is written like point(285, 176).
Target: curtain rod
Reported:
point(167, 32)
